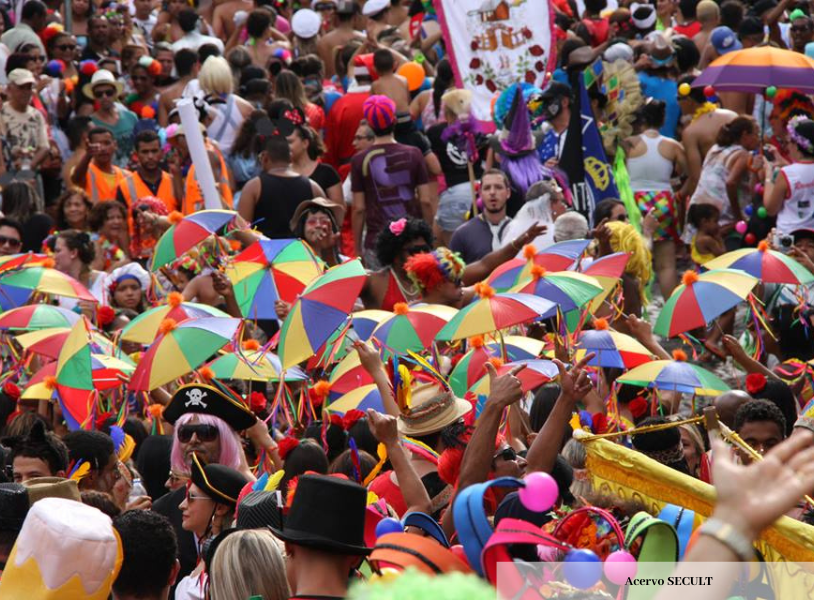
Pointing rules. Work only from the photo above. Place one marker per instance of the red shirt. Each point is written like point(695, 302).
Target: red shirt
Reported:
point(340, 127)
point(690, 29)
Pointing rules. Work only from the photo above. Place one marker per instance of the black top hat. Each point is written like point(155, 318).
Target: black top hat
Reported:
point(311, 524)
point(209, 400)
point(221, 483)
point(258, 510)
point(13, 506)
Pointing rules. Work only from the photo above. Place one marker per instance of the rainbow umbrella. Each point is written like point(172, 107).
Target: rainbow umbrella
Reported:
point(271, 270)
point(470, 368)
point(107, 373)
point(675, 376)
point(702, 298)
point(348, 375)
point(319, 311)
point(46, 281)
point(536, 373)
point(181, 348)
point(37, 316)
point(557, 257)
point(17, 261)
point(755, 69)
point(253, 366)
point(365, 321)
point(49, 342)
point(144, 328)
point(608, 271)
point(769, 266)
point(360, 398)
point(612, 349)
point(568, 289)
point(189, 232)
point(412, 328)
point(74, 377)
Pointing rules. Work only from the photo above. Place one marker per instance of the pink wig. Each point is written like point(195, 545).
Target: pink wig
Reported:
point(230, 448)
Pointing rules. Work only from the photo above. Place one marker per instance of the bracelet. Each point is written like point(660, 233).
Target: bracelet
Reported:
point(513, 246)
point(729, 537)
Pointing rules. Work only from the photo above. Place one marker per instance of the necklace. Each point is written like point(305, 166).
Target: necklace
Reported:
point(705, 108)
point(409, 294)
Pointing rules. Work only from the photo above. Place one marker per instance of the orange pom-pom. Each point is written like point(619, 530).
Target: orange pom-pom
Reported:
point(538, 271)
point(496, 362)
point(175, 299)
point(148, 112)
point(484, 290)
point(251, 345)
point(401, 308)
point(235, 245)
point(680, 355)
point(321, 388)
point(206, 373)
point(689, 277)
point(155, 410)
point(175, 217)
point(69, 85)
point(529, 251)
point(601, 324)
point(50, 382)
point(167, 325)
point(49, 263)
point(763, 245)
point(476, 341)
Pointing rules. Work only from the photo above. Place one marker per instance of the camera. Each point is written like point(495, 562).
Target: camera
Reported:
point(783, 242)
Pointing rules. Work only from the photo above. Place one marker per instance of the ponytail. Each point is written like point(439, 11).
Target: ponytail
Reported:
point(443, 79)
point(731, 132)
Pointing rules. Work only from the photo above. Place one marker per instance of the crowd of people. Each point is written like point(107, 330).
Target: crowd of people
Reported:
point(339, 135)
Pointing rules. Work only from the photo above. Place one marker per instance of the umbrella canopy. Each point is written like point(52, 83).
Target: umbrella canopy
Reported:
point(365, 321)
point(557, 257)
point(74, 376)
point(347, 375)
point(769, 266)
point(49, 342)
point(675, 376)
point(144, 328)
point(536, 373)
point(46, 281)
point(567, 289)
point(16, 261)
point(702, 298)
point(186, 234)
point(361, 398)
point(493, 312)
point(755, 69)
point(471, 366)
point(37, 316)
point(271, 270)
point(321, 309)
point(607, 271)
point(107, 372)
point(611, 348)
point(253, 366)
point(181, 348)
point(412, 328)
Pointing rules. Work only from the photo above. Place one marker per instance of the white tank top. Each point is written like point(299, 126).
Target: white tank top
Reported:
point(226, 124)
point(650, 172)
point(797, 211)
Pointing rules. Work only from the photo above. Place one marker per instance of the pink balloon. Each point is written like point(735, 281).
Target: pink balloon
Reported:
point(540, 493)
point(740, 227)
point(759, 188)
point(619, 566)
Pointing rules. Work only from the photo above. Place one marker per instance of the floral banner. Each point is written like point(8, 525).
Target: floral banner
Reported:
point(494, 43)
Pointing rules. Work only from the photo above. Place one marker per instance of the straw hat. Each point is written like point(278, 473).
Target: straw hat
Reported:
point(432, 409)
point(102, 77)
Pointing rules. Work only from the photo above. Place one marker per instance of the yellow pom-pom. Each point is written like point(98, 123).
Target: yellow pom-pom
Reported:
point(689, 277)
point(251, 345)
point(206, 373)
point(476, 341)
point(484, 290)
point(529, 251)
point(763, 245)
point(601, 324)
point(684, 89)
point(175, 217)
point(175, 299)
point(50, 383)
point(167, 325)
point(538, 272)
point(401, 308)
point(680, 355)
point(321, 388)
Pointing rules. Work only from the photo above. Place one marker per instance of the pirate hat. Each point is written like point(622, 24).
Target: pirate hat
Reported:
point(209, 400)
point(219, 482)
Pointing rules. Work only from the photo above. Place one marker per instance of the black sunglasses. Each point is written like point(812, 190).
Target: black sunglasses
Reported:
point(65, 47)
point(418, 249)
point(205, 433)
point(506, 454)
point(106, 93)
point(7, 241)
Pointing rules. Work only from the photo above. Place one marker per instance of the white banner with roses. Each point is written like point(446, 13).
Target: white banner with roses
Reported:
point(494, 43)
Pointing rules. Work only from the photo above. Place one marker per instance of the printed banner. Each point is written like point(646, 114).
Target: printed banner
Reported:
point(494, 43)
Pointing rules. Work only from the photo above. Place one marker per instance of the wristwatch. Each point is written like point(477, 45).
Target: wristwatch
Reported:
point(729, 537)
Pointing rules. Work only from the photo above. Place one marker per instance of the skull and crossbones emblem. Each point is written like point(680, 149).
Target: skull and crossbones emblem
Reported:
point(196, 397)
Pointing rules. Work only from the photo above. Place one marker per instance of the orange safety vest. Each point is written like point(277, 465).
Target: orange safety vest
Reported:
point(97, 186)
point(133, 188)
point(193, 198)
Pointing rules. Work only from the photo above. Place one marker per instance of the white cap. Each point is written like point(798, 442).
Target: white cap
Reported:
point(619, 51)
point(21, 77)
point(374, 7)
point(306, 23)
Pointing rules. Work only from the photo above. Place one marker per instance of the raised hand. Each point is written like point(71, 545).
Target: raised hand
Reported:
point(368, 357)
point(383, 427)
point(504, 389)
point(574, 384)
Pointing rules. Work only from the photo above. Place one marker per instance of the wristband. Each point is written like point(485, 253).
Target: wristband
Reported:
point(419, 57)
point(729, 537)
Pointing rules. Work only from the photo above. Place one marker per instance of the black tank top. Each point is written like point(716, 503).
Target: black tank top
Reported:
point(279, 198)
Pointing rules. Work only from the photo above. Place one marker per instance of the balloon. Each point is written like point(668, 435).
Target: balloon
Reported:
point(750, 239)
point(540, 492)
point(749, 210)
point(413, 73)
point(619, 566)
point(709, 91)
point(761, 212)
point(582, 568)
point(771, 91)
point(684, 89)
point(740, 227)
point(759, 189)
point(388, 525)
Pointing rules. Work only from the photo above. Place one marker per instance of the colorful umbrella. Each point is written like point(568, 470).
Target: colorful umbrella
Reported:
point(536, 373)
point(17, 261)
point(320, 310)
point(181, 348)
point(769, 266)
point(412, 328)
point(607, 271)
point(45, 281)
point(557, 257)
point(470, 368)
point(361, 398)
point(187, 233)
point(37, 316)
point(755, 69)
point(253, 366)
point(348, 375)
point(702, 298)
point(612, 349)
point(108, 373)
point(144, 328)
point(567, 289)
point(74, 377)
point(365, 321)
point(271, 270)
point(675, 376)
point(49, 342)
point(493, 312)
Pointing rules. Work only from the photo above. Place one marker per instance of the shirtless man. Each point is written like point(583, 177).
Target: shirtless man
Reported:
point(700, 134)
point(223, 21)
point(709, 16)
point(342, 33)
point(186, 65)
point(389, 84)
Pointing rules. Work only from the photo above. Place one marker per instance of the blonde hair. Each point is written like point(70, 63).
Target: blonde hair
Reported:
point(248, 563)
point(215, 76)
point(625, 238)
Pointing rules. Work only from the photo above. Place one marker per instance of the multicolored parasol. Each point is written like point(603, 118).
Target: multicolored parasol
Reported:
point(49, 342)
point(348, 375)
point(567, 289)
point(181, 348)
point(493, 312)
point(412, 328)
point(611, 348)
point(253, 366)
point(74, 377)
point(557, 257)
point(769, 266)
point(107, 372)
point(701, 298)
point(361, 398)
point(365, 321)
point(189, 232)
point(753, 70)
point(45, 281)
point(675, 376)
point(536, 373)
point(320, 310)
point(271, 270)
point(471, 366)
point(144, 328)
point(37, 316)
point(608, 271)
point(17, 261)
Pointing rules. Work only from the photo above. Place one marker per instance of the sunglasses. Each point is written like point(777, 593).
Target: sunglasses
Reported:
point(66, 47)
point(205, 433)
point(105, 93)
point(37, 58)
point(7, 241)
point(418, 249)
point(799, 28)
point(507, 454)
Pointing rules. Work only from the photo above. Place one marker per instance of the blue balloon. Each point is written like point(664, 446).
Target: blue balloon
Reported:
point(748, 210)
point(582, 569)
point(388, 525)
